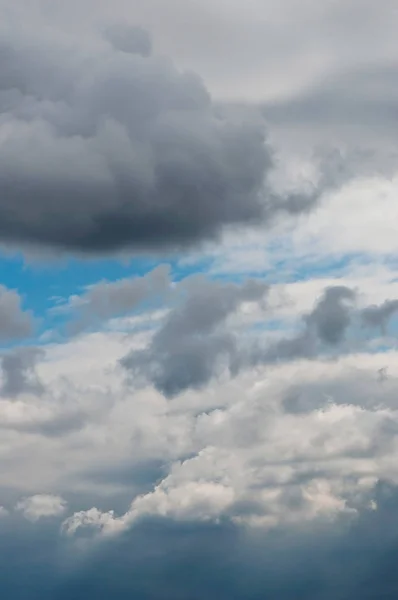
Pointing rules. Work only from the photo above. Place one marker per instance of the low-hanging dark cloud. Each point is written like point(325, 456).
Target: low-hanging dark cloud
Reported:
point(108, 146)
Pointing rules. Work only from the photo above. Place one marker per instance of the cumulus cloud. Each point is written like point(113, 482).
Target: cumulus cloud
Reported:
point(193, 339)
point(195, 342)
point(41, 506)
point(15, 323)
point(106, 145)
point(237, 456)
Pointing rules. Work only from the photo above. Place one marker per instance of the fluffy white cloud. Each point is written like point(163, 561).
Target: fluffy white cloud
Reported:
point(41, 506)
point(278, 444)
point(289, 445)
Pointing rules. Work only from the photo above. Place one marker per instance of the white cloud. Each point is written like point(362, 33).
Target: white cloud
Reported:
point(274, 445)
point(41, 506)
point(258, 461)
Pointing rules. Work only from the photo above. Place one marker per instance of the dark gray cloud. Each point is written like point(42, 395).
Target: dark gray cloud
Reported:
point(15, 323)
point(110, 146)
point(18, 372)
point(324, 327)
point(332, 314)
point(379, 315)
point(193, 342)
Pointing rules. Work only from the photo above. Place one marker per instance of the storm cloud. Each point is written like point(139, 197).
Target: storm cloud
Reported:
point(107, 146)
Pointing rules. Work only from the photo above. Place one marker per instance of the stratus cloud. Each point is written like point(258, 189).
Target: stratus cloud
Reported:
point(15, 323)
point(105, 146)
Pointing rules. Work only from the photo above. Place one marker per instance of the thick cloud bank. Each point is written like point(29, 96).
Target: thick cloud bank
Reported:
point(161, 560)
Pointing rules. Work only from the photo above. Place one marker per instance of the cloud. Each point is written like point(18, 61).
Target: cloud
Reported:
point(195, 342)
point(14, 322)
point(251, 450)
point(103, 148)
point(331, 316)
point(241, 470)
point(356, 104)
point(187, 349)
point(41, 506)
point(199, 561)
point(104, 300)
point(18, 372)
point(162, 559)
point(132, 40)
point(378, 316)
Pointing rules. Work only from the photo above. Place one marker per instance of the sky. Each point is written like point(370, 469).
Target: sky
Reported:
point(198, 299)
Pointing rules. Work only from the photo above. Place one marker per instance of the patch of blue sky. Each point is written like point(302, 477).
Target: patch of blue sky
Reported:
point(44, 285)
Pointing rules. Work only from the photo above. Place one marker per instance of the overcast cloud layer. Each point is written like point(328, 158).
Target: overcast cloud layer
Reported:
point(198, 299)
